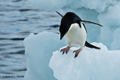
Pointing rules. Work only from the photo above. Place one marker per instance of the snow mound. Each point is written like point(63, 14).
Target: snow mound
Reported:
point(91, 64)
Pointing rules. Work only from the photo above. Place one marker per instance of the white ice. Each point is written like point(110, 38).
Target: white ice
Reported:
point(38, 49)
point(91, 64)
point(45, 62)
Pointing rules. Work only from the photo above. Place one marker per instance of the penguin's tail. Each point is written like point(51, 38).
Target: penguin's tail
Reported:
point(90, 45)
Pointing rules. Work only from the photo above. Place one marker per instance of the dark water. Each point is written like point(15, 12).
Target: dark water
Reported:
point(17, 21)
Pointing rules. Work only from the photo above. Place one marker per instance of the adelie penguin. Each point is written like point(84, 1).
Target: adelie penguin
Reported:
point(73, 28)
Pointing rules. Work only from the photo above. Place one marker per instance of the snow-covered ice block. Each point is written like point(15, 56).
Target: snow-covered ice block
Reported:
point(38, 50)
point(91, 64)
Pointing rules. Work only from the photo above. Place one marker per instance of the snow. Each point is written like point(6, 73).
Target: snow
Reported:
point(45, 62)
point(91, 64)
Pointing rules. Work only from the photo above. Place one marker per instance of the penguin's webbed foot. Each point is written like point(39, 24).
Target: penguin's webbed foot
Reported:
point(77, 52)
point(65, 50)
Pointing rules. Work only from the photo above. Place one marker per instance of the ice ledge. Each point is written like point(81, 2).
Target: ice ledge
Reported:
point(91, 64)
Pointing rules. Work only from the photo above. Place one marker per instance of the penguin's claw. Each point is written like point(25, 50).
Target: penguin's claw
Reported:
point(65, 50)
point(77, 52)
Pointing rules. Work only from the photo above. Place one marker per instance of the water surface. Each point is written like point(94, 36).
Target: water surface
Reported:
point(17, 21)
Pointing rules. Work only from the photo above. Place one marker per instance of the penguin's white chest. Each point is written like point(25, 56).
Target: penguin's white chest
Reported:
point(76, 35)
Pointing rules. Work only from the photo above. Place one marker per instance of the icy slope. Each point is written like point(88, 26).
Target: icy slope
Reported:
point(44, 60)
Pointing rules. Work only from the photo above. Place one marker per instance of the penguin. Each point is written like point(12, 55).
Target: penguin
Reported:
point(73, 29)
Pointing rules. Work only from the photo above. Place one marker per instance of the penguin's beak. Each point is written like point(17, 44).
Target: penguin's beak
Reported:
point(89, 22)
point(61, 37)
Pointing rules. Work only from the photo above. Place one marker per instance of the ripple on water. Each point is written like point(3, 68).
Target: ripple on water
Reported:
point(17, 21)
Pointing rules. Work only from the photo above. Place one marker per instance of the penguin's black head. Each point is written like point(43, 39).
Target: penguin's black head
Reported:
point(68, 19)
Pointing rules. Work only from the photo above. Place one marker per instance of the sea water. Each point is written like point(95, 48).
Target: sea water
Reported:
point(17, 21)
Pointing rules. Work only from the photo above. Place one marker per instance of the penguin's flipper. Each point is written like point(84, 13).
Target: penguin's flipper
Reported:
point(89, 22)
point(90, 45)
point(59, 14)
